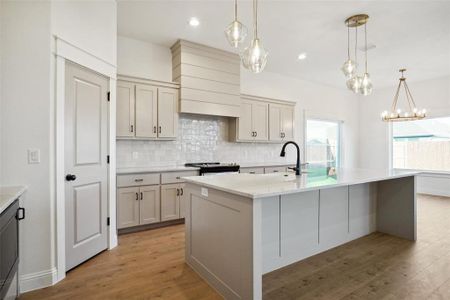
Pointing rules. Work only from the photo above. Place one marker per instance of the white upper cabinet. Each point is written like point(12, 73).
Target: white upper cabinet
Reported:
point(167, 113)
point(146, 109)
point(263, 120)
point(125, 109)
point(281, 122)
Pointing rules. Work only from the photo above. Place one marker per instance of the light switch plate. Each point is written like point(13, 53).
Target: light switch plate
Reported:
point(204, 192)
point(34, 156)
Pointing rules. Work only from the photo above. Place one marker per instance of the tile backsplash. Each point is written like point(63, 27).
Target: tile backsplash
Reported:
point(200, 139)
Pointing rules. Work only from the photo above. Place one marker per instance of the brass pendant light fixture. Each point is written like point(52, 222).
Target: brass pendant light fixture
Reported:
point(236, 32)
point(412, 112)
point(356, 83)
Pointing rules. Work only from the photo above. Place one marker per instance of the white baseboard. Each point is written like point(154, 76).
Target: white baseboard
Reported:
point(38, 280)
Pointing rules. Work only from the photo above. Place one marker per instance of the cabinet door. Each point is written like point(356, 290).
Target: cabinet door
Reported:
point(149, 211)
point(146, 111)
point(287, 122)
point(183, 200)
point(125, 109)
point(275, 122)
point(260, 120)
point(170, 203)
point(245, 128)
point(167, 112)
point(128, 207)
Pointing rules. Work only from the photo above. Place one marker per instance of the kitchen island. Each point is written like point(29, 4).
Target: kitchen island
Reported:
point(241, 226)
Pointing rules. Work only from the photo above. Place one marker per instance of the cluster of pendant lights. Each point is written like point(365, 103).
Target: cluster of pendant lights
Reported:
point(357, 83)
point(254, 56)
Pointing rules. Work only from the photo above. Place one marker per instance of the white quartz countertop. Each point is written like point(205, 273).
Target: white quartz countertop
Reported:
point(136, 170)
point(178, 168)
point(266, 185)
point(8, 194)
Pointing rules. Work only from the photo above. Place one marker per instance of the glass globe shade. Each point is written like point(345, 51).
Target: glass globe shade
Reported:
point(366, 85)
point(354, 83)
point(254, 56)
point(349, 68)
point(236, 33)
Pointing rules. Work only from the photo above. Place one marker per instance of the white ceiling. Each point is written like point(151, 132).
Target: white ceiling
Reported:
point(410, 34)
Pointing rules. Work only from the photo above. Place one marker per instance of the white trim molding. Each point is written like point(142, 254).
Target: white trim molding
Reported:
point(65, 51)
point(38, 280)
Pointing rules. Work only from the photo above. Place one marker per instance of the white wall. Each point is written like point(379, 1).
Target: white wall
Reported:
point(141, 59)
point(27, 109)
point(434, 95)
point(25, 117)
point(89, 25)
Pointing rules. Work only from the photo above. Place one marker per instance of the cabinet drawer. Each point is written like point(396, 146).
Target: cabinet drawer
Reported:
point(274, 170)
point(137, 179)
point(252, 170)
point(176, 177)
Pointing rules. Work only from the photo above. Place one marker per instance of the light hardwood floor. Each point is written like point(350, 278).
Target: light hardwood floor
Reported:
point(150, 265)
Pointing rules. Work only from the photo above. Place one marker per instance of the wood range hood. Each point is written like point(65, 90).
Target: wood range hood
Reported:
point(209, 79)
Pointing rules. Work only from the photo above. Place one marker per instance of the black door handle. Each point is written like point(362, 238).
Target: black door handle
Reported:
point(71, 177)
point(20, 216)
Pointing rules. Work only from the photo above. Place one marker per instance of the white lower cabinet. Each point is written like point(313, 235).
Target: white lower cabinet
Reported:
point(171, 195)
point(149, 210)
point(138, 206)
point(128, 207)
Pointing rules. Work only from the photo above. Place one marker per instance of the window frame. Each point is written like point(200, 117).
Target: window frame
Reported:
point(340, 144)
point(391, 149)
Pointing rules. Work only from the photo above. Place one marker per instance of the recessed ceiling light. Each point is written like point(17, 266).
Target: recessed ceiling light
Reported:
point(194, 22)
point(301, 56)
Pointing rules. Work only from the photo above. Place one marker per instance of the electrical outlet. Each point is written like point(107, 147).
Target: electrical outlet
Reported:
point(34, 156)
point(204, 192)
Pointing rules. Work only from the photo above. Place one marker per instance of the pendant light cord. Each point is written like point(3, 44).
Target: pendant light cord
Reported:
point(356, 45)
point(255, 17)
point(235, 10)
point(365, 37)
point(348, 41)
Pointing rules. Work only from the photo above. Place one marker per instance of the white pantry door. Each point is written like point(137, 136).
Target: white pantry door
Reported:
point(86, 124)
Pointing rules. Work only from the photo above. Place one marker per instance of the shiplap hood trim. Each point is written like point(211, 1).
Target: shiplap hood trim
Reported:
point(209, 79)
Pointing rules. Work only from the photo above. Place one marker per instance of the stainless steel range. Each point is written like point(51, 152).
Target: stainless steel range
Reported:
point(214, 168)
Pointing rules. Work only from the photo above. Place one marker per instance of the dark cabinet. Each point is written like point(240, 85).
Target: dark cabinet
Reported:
point(9, 245)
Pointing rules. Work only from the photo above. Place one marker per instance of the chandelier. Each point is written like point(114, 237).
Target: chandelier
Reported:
point(396, 114)
point(357, 83)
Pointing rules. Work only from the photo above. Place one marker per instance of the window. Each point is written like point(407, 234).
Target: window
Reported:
point(323, 143)
point(422, 144)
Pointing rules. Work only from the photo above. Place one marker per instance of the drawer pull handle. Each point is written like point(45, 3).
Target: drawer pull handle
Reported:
point(137, 196)
point(20, 216)
point(252, 172)
point(178, 177)
point(139, 180)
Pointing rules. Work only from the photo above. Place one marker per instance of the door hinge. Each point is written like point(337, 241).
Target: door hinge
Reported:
point(107, 221)
point(109, 96)
point(107, 159)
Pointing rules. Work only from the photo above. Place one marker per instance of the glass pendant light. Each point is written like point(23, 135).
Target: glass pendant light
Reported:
point(349, 67)
point(354, 82)
point(254, 56)
point(236, 32)
point(366, 84)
